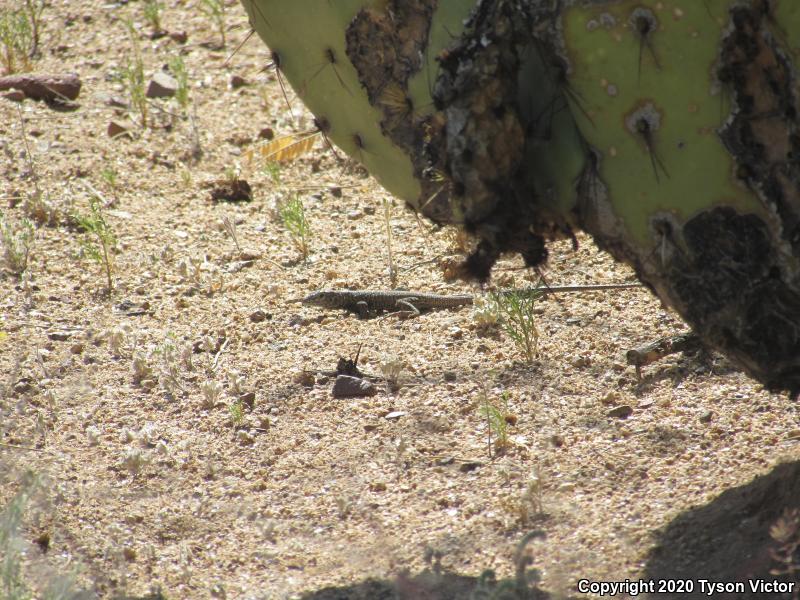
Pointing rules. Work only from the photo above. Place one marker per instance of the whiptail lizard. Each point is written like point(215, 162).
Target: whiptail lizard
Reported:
point(368, 302)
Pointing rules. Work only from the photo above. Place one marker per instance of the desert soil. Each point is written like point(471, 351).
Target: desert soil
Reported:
point(125, 402)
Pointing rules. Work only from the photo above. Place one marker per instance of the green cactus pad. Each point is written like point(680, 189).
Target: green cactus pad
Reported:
point(656, 108)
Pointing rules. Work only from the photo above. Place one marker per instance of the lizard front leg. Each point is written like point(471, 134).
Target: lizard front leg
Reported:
point(412, 311)
point(362, 308)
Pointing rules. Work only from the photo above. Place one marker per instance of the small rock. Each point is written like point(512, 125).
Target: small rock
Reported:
point(557, 440)
point(243, 437)
point(116, 130)
point(178, 36)
point(266, 134)
point(59, 336)
point(248, 399)
point(162, 85)
point(258, 315)
point(395, 415)
point(93, 435)
point(354, 215)
point(76, 349)
point(621, 412)
point(469, 466)
point(645, 404)
point(346, 386)
point(377, 486)
point(368, 427)
point(706, 416)
point(450, 376)
point(237, 81)
point(23, 385)
point(368, 209)
point(15, 95)
point(336, 191)
point(304, 378)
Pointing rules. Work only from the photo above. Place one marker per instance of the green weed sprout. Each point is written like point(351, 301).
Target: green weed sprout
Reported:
point(178, 69)
point(215, 9)
point(293, 217)
point(152, 12)
point(273, 169)
point(496, 419)
point(16, 245)
point(516, 317)
point(109, 175)
point(132, 76)
point(236, 411)
point(16, 40)
point(99, 241)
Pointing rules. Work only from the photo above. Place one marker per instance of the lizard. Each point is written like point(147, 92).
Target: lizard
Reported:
point(367, 302)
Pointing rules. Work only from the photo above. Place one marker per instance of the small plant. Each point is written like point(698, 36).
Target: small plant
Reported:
point(152, 13)
point(109, 175)
point(178, 69)
point(17, 583)
point(211, 391)
point(16, 40)
point(12, 584)
point(215, 9)
point(515, 313)
point(230, 228)
point(273, 169)
point(132, 77)
point(34, 10)
point(497, 423)
point(391, 370)
point(293, 217)
point(99, 241)
point(236, 410)
point(16, 245)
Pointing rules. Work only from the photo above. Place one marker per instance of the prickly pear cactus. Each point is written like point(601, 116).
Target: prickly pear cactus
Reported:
point(366, 70)
point(667, 130)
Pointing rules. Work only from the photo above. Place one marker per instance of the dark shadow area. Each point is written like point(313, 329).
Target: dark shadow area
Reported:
point(729, 539)
point(432, 585)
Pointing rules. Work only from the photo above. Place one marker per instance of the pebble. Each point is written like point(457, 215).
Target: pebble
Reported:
point(162, 85)
point(468, 467)
point(346, 386)
point(248, 399)
point(116, 130)
point(450, 376)
point(59, 336)
point(395, 415)
point(621, 412)
point(243, 437)
point(258, 315)
point(706, 416)
point(15, 95)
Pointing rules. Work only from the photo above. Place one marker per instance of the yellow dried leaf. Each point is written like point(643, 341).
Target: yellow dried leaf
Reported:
point(284, 149)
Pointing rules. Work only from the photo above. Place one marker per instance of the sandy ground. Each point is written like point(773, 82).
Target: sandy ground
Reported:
point(152, 481)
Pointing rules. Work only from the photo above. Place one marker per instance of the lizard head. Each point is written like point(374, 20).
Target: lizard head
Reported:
point(323, 298)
